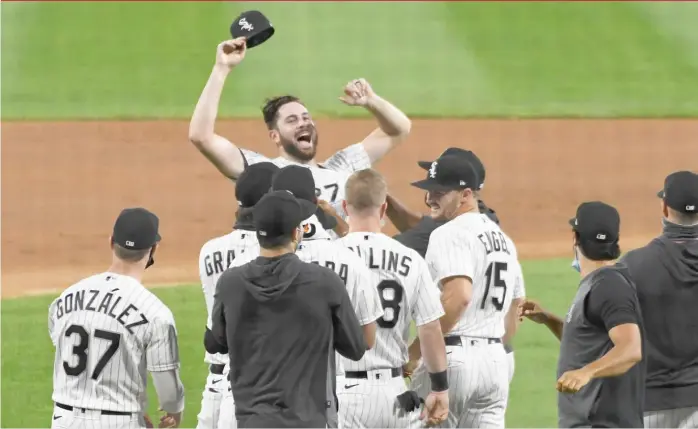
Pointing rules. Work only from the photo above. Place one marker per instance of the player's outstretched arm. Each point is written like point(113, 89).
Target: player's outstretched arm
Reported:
point(533, 311)
point(393, 125)
point(400, 215)
point(456, 294)
point(221, 152)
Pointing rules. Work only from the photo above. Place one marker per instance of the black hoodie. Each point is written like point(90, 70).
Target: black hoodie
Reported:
point(277, 317)
point(666, 275)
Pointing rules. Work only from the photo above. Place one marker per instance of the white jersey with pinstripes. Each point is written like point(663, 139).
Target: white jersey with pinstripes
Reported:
point(330, 176)
point(406, 290)
point(473, 246)
point(216, 256)
point(109, 331)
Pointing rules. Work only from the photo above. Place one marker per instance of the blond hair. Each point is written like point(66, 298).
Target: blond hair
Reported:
point(366, 189)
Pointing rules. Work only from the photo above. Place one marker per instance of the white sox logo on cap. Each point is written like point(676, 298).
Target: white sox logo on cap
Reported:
point(432, 170)
point(690, 208)
point(245, 25)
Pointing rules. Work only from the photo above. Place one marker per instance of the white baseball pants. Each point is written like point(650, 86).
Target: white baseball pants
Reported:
point(211, 400)
point(682, 418)
point(226, 419)
point(512, 365)
point(94, 419)
point(372, 402)
point(478, 378)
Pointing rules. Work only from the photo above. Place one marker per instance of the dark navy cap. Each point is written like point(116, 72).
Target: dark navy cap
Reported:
point(448, 173)
point(597, 222)
point(136, 229)
point(277, 214)
point(681, 191)
point(253, 26)
point(300, 182)
point(254, 182)
point(469, 156)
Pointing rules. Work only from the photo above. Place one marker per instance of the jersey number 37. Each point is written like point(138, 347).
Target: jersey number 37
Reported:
point(81, 348)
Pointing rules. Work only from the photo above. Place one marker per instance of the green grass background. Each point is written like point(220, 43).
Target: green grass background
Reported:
point(151, 59)
point(89, 60)
point(27, 353)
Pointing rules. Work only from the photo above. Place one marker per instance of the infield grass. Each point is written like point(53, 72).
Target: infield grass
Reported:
point(27, 353)
point(151, 59)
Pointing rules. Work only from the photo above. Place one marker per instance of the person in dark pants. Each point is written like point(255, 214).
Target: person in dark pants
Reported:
point(276, 317)
point(601, 374)
point(666, 274)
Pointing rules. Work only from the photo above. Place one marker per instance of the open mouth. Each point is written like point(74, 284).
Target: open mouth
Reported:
point(305, 139)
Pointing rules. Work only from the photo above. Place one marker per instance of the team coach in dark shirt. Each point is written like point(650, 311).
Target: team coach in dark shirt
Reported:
point(277, 318)
point(666, 274)
point(601, 377)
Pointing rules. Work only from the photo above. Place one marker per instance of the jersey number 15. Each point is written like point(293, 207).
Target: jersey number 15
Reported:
point(80, 350)
point(494, 280)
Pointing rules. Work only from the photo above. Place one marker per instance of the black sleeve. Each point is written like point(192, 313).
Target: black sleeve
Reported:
point(218, 333)
point(612, 302)
point(417, 238)
point(348, 334)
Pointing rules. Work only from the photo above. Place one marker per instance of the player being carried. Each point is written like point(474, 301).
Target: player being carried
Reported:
point(292, 130)
point(476, 266)
point(369, 391)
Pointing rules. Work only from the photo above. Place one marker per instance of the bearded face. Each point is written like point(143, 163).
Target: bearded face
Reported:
point(295, 132)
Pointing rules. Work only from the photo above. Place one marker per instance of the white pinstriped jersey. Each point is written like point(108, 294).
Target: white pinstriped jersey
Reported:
point(473, 246)
point(407, 292)
point(519, 284)
point(109, 331)
point(216, 256)
point(332, 176)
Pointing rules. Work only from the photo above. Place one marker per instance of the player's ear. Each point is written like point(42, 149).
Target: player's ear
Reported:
point(665, 208)
point(275, 136)
point(344, 206)
point(384, 208)
point(111, 242)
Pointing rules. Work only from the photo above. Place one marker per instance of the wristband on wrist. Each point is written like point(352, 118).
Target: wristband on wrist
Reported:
point(439, 381)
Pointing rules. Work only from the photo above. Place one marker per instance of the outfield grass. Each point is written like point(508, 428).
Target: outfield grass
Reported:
point(27, 353)
point(151, 59)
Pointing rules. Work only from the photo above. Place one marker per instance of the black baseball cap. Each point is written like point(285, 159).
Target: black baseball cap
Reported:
point(597, 222)
point(448, 173)
point(277, 214)
point(252, 25)
point(681, 191)
point(136, 229)
point(469, 156)
point(299, 181)
point(254, 182)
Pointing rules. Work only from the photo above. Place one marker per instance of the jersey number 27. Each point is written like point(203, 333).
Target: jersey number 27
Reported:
point(494, 280)
point(80, 350)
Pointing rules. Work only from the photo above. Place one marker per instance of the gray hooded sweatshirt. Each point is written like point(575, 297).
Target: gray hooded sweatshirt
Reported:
point(277, 316)
point(665, 273)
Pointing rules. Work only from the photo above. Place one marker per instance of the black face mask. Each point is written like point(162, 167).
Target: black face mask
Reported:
point(151, 260)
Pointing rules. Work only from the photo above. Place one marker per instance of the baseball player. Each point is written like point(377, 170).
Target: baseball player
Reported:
point(215, 257)
point(109, 331)
point(292, 130)
point(476, 266)
point(369, 388)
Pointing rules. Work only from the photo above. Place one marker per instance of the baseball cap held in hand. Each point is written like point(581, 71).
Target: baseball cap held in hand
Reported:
point(253, 26)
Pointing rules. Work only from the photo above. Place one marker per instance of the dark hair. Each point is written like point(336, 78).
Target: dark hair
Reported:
point(270, 110)
point(598, 251)
point(274, 242)
point(130, 255)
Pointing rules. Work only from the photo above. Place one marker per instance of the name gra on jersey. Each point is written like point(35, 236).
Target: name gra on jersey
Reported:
point(213, 262)
point(100, 301)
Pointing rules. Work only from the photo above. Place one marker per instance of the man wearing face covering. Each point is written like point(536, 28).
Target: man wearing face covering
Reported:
point(275, 317)
point(601, 374)
point(666, 274)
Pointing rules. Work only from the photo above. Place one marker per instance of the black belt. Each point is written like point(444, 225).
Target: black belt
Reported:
point(104, 412)
point(394, 372)
point(456, 341)
point(217, 368)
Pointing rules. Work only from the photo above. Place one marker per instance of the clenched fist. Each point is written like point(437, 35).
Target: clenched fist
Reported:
point(231, 52)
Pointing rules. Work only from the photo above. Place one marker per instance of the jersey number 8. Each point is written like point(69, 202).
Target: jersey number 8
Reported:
point(390, 293)
point(493, 277)
point(80, 350)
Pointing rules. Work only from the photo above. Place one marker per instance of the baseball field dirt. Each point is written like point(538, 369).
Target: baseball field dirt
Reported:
point(64, 183)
